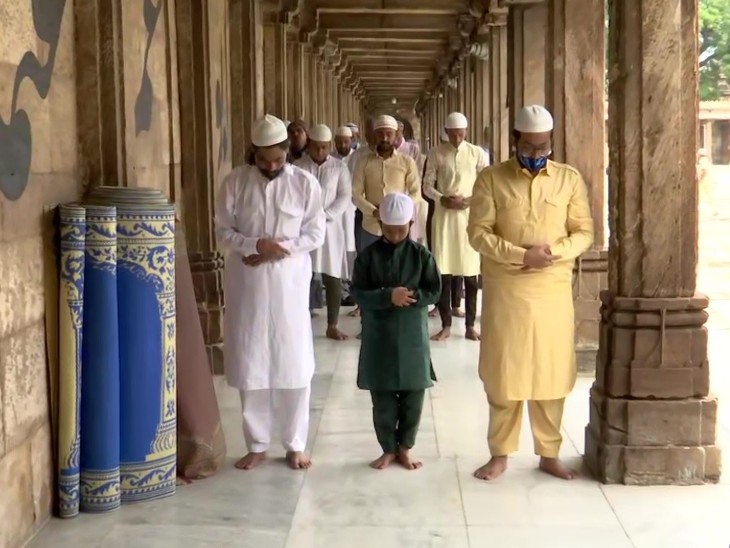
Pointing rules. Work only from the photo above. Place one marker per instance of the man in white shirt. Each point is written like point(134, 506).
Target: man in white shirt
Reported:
point(330, 260)
point(268, 219)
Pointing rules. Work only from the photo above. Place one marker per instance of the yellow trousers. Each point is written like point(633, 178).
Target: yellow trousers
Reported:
point(505, 420)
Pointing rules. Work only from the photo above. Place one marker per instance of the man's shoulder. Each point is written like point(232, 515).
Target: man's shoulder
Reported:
point(237, 175)
point(565, 169)
point(304, 177)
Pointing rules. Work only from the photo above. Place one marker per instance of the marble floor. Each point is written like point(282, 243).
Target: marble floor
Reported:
point(342, 502)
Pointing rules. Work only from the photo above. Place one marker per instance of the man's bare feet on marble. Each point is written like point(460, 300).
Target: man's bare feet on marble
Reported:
point(556, 468)
point(354, 313)
point(385, 460)
point(335, 334)
point(297, 460)
point(250, 461)
point(442, 335)
point(492, 470)
point(433, 313)
point(472, 334)
point(406, 461)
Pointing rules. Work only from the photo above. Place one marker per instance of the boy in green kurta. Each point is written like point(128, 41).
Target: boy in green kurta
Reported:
point(394, 282)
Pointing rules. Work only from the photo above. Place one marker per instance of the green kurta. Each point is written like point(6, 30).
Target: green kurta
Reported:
point(395, 353)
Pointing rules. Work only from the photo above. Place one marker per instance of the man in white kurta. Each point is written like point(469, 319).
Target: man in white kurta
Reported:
point(330, 260)
point(451, 170)
point(345, 152)
point(268, 219)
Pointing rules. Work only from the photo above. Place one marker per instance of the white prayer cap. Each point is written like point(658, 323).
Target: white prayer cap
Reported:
point(320, 133)
point(534, 119)
point(268, 131)
point(385, 121)
point(396, 209)
point(444, 136)
point(352, 126)
point(343, 131)
point(456, 120)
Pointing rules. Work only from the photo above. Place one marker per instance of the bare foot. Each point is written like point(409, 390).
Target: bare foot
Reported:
point(472, 334)
point(457, 313)
point(493, 469)
point(335, 334)
point(406, 461)
point(313, 314)
point(442, 335)
point(354, 313)
point(556, 468)
point(297, 460)
point(434, 313)
point(385, 460)
point(250, 461)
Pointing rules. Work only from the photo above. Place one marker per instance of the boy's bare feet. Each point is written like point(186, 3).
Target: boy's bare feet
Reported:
point(472, 334)
point(335, 334)
point(297, 460)
point(457, 313)
point(493, 469)
point(385, 460)
point(556, 468)
point(250, 461)
point(442, 335)
point(354, 313)
point(433, 313)
point(406, 461)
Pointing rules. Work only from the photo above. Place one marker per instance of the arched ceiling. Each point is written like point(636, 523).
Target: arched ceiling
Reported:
point(402, 50)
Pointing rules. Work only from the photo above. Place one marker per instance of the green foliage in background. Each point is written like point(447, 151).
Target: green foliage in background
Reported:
point(714, 48)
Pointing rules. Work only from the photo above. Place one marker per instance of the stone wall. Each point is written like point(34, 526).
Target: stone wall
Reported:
point(38, 151)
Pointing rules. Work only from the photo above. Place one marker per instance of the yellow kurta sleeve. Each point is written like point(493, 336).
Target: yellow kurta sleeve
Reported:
point(482, 218)
point(358, 189)
point(579, 224)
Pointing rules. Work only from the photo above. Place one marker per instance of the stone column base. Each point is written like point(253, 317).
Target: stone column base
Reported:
point(652, 420)
point(590, 277)
point(207, 269)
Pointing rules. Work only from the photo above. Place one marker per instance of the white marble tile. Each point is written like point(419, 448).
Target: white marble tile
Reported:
point(502, 536)
point(348, 494)
point(192, 536)
point(380, 537)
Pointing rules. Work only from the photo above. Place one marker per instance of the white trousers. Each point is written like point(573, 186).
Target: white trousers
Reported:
point(265, 409)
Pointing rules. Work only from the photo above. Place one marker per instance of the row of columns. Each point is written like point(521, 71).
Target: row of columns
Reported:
point(652, 418)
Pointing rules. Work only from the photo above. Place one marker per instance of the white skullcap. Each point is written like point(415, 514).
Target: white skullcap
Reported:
point(385, 121)
point(343, 131)
point(320, 133)
point(444, 136)
point(534, 119)
point(456, 120)
point(396, 209)
point(268, 131)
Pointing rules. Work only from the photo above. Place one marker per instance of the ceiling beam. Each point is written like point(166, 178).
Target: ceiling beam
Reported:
point(427, 7)
point(385, 22)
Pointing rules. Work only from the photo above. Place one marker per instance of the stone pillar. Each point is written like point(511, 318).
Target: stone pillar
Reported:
point(527, 30)
point(204, 94)
point(707, 129)
point(247, 72)
point(281, 71)
point(469, 107)
point(309, 100)
point(652, 419)
point(575, 92)
point(482, 101)
point(499, 111)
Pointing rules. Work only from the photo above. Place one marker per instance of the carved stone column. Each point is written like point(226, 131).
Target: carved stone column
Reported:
point(499, 110)
point(482, 102)
point(527, 29)
point(652, 419)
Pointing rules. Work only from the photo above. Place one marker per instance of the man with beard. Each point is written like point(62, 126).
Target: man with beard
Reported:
point(268, 219)
point(344, 152)
point(330, 260)
point(343, 145)
point(382, 172)
point(297, 131)
point(355, 135)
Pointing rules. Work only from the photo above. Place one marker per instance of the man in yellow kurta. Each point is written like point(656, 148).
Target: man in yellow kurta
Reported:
point(530, 219)
point(380, 172)
point(451, 170)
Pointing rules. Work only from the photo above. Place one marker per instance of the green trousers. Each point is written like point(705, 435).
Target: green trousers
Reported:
point(333, 296)
point(396, 416)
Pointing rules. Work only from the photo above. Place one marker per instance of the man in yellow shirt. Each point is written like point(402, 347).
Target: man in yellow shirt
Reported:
point(451, 170)
point(380, 172)
point(530, 219)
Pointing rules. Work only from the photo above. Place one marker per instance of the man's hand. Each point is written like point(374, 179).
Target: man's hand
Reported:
point(401, 297)
point(376, 213)
point(539, 256)
point(270, 250)
point(454, 202)
point(253, 260)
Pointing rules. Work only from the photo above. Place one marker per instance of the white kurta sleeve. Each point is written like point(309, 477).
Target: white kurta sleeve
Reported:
point(429, 179)
point(229, 238)
point(344, 196)
point(311, 234)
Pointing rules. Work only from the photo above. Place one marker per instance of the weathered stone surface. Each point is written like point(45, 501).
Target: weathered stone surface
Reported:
point(42, 469)
point(21, 290)
point(16, 504)
point(23, 375)
point(527, 29)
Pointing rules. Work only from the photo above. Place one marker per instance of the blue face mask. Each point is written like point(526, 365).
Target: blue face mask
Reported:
point(533, 164)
